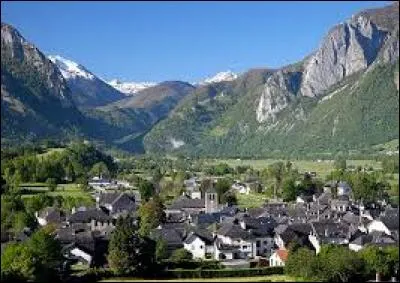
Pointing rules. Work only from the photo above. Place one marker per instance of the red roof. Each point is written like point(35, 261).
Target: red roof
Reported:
point(283, 254)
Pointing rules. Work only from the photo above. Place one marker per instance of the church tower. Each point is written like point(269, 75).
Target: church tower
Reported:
point(211, 200)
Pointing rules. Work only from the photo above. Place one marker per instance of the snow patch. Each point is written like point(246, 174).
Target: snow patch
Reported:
point(70, 69)
point(130, 88)
point(220, 77)
point(176, 143)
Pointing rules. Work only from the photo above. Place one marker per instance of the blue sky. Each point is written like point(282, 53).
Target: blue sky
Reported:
point(157, 41)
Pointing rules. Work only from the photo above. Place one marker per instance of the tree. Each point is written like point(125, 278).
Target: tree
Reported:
point(151, 214)
point(161, 249)
point(51, 184)
point(340, 163)
point(221, 187)
point(129, 253)
point(300, 263)
point(17, 264)
point(146, 189)
point(36, 259)
point(277, 170)
point(229, 198)
point(205, 185)
point(181, 255)
point(46, 251)
point(375, 261)
point(289, 190)
point(99, 169)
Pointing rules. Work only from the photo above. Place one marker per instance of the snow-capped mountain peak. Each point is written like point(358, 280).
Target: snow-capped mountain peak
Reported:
point(70, 69)
point(130, 88)
point(220, 77)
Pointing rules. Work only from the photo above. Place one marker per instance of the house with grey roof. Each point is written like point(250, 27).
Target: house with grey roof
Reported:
point(245, 238)
point(328, 232)
point(376, 238)
point(200, 243)
point(116, 203)
point(50, 215)
point(293, 233)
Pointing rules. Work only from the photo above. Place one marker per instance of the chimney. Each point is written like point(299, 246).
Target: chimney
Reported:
point(73, 210)
point(243, 225)
point(326, 232)
point(36, 214)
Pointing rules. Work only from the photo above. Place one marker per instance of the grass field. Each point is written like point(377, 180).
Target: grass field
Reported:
point(321, 167)
point(50, 151)
point(64, 190)
point(251, 200)
point(267, 278)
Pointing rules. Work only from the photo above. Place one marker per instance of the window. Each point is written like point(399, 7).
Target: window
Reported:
point(258, 244)
point(201, 247)
point(244, 247)
point(265, 242)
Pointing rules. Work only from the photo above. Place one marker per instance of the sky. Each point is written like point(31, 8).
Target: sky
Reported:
point(188, 41)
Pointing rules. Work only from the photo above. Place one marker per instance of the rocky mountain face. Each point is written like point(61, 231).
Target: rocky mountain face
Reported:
point(35, 99)
point(344, 97)
point(87, 89)
point(300, 107)
point(348, 48)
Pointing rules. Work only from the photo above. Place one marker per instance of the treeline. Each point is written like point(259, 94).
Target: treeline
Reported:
point(339, 264)
point(71, 164)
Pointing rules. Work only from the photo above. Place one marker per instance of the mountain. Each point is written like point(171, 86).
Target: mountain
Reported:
point(135, 115)
point(35, 99)
point(130, 88)
point(220, 77)
point(87, 89)
point(341, 98)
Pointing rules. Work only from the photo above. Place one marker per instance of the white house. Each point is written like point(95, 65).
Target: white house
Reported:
point(201, 246)
point(378, 225)
point(278, 258)
point(241, 188)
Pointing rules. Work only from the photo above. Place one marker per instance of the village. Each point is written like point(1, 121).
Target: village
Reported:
point(236, 237)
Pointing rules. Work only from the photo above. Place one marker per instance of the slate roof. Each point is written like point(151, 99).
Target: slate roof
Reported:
point(391, 221)
point(330, 229)
point(351, 218)
point(375, 238)
point(52, 215)
point(325, 198)
point(87, 215)
point(171, 236)
point(203, 234)
point(186, 202)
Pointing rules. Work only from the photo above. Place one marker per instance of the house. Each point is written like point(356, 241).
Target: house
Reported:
point(379, 239)
point(95, 217)
point(50, 215)
point(278, 258)
point(241, 188)
point(186, 205)
point(328, 232)
point(81, 244)
point(245, 238)
point(340, 205)
point(343, 188)
point(116, 203)
point(171, 235)
point(304, 199)
point(200, 243)
point(294, 233)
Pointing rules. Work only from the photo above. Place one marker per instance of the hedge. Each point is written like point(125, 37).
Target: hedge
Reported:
point(228, 272)
point(193, 264)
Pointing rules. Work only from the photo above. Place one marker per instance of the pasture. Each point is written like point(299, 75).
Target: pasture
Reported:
point(321, 167)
